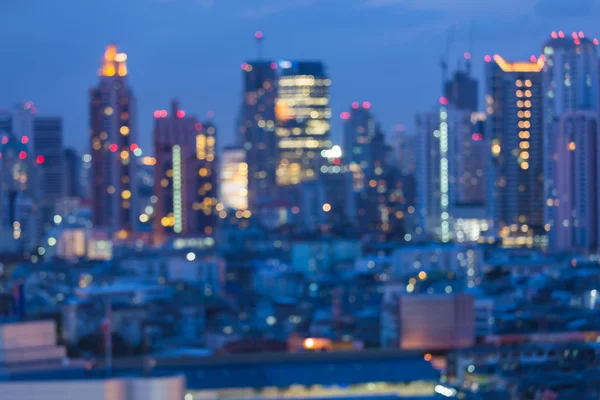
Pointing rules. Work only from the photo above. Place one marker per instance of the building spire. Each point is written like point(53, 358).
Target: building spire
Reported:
point(113, 63)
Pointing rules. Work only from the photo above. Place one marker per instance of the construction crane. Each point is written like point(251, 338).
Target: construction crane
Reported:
point(444, 59)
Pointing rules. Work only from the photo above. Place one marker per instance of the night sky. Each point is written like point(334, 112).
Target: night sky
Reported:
point(384, 51)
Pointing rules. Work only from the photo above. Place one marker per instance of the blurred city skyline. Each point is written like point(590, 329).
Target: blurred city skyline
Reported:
point(383, 51)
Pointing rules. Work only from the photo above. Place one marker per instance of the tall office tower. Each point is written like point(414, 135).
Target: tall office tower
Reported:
point(405, 146)
point(515, 126)
point(467, 161)
point(257, 131)
point(576, 208)
point(359, 130)
point(303, 115)
point(233, 183)
point(428, 172)
point(462, 91)
point(570, 83)
point(19, 195)
point(184, 175)
point(112, 141)
point(48, 144)
point(71, 172)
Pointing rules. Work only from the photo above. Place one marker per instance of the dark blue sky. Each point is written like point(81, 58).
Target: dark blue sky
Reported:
point(384, 51)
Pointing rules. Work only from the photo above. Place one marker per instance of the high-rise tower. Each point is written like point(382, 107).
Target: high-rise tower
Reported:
point(570, 84)
point(303, 115)
point(257, 131)
point(113, 140)
point(184, 174)
point(514, 98)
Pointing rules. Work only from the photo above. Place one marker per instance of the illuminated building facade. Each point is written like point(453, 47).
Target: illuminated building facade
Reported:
point(576, 207)
point(428, 172)
point(257, 131)
point(113, 143)
point(184, 174)
point(303, 115)
point(20, 223)
point(515, 126)
point(570, 83)
point(233, 184)
point(48, 144)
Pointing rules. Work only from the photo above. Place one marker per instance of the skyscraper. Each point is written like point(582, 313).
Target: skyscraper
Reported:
point(576, 207)
point(570, 83)
point(359, 130)
point(428, 172)
point(48, 144)
point(462, 91)
point(20, 227)
point(515, 125)
point(303, 114)
point(113, 140)
point(233, 184)
point(184, 174)
point(257, 131)
point(72, 169)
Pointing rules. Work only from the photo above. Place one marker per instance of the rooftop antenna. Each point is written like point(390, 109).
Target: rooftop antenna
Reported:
point(259, 39)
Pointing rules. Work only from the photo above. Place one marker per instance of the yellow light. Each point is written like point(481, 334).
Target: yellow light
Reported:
point(427, 357)
point(126, 194)
point(549, 203)
point(524, 145)
point(528, 93)
point(524, 165)
point(519, 83)
point(108, 69)
point(164, 182)
point(519, 93)
point(422, 275)
point(144, 218)
point(149, 161)
point(496, 149)
point(108, 111)
point(239, 214)
point(203, 172)
point(519, 66)
point(524, 155)
point(247, 214)
point(124, 130)
point(122, 234)
point(124, 155)
point(309, 343)
point(326, 207)
point(169, 173)
point(528, 83)
point(527, 103)
point(122, 69)
point(572, 146)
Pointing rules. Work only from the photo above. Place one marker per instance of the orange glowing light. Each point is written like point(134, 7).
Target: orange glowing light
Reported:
point(519, 66)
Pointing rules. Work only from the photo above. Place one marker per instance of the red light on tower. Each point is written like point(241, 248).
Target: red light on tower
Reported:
point(444, 101)
point(22, 155)
point(345, 115)
point(477, 136)
point(40, 159)
point(596, 41)
point(366, 105)
point(554, 35)
point(198, 126)
point(180, 114)
point(581, 35)
point(157, 114)
point(163, 113)
point(355, 105)
point(113, 147)
point(576, 40)
point(134, 147)
point(487, 58)
point(24, 140)
point(467, 55)
point(561, 34)
point(574, 35)
point(273, 65)
point(533, 59)
point(4, 139)
point(258, 34)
